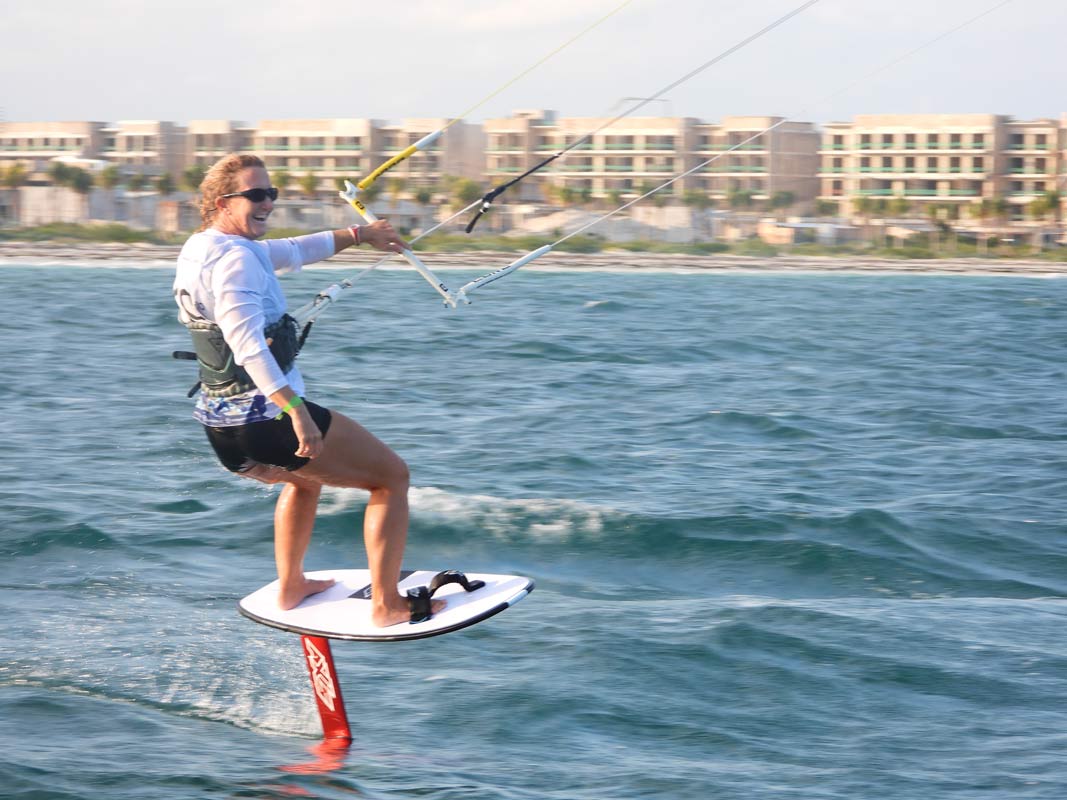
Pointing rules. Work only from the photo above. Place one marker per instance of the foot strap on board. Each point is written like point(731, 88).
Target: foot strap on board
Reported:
point(419, 597)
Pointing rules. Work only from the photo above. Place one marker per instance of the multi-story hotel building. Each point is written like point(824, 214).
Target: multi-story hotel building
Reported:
point(208, 140)
point(756, 155)
point(920, 159)
point(34, 144)
point(939, 158)
point(329, 149)
point(761, 156)
point(348, 149)
point(148, 147)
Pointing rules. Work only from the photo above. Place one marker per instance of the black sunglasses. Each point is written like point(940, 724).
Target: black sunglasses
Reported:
point(256, 195)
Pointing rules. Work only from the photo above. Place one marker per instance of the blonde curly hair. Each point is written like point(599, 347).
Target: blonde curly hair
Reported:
point(220, 179)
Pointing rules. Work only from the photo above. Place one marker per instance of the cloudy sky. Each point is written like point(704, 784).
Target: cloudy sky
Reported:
point(111, 60)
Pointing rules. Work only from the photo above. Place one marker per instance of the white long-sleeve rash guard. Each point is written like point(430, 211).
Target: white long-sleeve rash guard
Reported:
point(232, 281)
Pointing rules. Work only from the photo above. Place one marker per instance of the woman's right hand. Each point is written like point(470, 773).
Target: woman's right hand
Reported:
point(382, 236)
point(307, 433)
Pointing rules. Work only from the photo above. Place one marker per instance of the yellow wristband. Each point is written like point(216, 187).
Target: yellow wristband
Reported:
point(296, 401)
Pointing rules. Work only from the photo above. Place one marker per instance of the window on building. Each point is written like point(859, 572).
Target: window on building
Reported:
point(978, 140)
point(932, 141)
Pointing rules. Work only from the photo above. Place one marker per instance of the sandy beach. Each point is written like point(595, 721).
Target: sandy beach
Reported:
point(612, 260)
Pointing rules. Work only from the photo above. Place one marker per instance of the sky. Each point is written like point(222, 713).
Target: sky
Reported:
point(109, 60)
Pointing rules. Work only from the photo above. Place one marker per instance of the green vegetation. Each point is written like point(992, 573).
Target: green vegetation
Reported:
point(68, 232)
point(919, 247)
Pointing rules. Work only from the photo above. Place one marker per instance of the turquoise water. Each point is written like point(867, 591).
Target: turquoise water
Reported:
point(794, 536)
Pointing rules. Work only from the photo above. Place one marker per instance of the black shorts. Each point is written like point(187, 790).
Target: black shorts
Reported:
point(271, 442)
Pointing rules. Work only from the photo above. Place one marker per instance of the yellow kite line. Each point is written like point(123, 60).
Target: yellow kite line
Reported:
point(351, 193)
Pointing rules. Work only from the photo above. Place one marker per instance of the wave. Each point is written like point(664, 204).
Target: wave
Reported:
point(613, 552)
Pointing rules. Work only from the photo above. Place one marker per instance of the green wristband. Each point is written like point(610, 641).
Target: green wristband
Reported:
point(296, 401)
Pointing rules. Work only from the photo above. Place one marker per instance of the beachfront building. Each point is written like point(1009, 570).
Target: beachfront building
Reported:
point(755, 159)
point(515, 144)
point(918, 160)
point(35, 144)
point(1031, 162)
point(326, 149)
point(334, 150)
point(208, 140)
point(751, 156)
point(144, 147)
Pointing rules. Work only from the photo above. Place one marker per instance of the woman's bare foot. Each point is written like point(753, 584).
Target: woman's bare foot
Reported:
point(383, 615)
point(292, 596)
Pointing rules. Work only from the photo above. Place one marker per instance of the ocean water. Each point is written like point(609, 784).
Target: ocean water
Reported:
point(794, 536)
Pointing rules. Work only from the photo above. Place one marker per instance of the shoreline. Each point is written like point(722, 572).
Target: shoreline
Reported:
point(41, 253)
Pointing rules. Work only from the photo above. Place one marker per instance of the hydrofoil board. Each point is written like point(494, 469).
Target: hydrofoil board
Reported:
point(343, 610)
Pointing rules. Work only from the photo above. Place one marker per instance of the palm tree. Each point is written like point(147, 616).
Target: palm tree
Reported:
point(826, 208)
point(165, 184)
point(14, 177)
point(740, 199)
point(109, 178)
point(80, 180)
point(60, 173)
point(698, 200)
point(899, 206)
point(989, 208)
point(864, 205)
point(308, 183)
point(136, 182)
point(781, 200)
point(192, 177)
point(464, 192)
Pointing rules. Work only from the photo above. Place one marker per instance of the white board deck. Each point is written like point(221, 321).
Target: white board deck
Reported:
point(343, 610)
